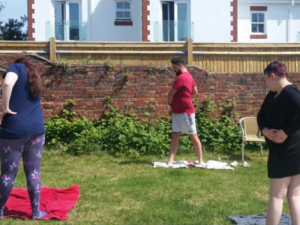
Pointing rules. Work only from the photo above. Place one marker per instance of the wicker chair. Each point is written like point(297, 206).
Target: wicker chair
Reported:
point(250, 132)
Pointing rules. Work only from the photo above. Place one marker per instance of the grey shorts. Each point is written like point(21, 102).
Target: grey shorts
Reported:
point(184, 123)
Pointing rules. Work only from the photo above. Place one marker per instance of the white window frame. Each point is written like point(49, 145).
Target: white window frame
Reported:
point(264, 22)
point(67, 15)
point(175, 18)
point(123, 10)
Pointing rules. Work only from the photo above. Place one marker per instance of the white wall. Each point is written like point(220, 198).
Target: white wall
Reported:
point(295, 24)
point(211, 20)
point(103, 18)
point(42, 14)
point(155, 15)
point(278, 27)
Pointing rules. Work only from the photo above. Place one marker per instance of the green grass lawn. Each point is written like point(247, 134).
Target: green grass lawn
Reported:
point(130, 191)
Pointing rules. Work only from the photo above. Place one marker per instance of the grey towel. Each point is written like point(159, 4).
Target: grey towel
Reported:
point(258, 219)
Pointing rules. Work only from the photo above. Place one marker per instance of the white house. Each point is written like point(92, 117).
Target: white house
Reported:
point(91, 20)
point(165, 20)
point(268, 21)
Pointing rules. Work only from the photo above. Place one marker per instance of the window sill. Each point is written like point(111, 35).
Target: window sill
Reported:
point(258, 36)
point(123, 23)
point(258, 8)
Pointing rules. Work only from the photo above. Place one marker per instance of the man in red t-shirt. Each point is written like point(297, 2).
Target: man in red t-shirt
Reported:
point(183, 111)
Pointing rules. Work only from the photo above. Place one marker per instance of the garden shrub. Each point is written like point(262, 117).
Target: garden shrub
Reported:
point(125, 133)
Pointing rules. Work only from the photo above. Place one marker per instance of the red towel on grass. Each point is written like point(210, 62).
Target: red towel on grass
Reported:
point(56, 202)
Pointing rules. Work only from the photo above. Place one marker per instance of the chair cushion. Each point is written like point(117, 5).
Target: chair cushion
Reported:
point(254, 138)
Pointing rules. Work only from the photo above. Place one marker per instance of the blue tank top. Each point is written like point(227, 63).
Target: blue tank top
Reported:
point(29, 119)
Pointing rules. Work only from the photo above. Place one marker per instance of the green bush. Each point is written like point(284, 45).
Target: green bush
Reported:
point(123, 134)
point(218, 133)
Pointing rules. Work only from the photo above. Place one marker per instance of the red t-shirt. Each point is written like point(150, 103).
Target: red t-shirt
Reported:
point(182, 100)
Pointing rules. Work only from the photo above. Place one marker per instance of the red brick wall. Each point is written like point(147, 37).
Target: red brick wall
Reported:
point(30, 20)
point(145, 21)
point(140, 91)
point(234, 27)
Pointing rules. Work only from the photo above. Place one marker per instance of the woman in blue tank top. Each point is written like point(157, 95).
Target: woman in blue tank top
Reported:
point(22, 132)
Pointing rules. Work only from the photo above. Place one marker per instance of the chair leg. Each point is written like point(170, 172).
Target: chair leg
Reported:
point(261, 149)
point(243, 153)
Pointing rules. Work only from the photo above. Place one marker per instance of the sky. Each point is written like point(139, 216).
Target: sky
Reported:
point(13, 9)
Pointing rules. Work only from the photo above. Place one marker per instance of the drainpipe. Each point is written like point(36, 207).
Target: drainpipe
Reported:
point(290, 22)
point(89, 20)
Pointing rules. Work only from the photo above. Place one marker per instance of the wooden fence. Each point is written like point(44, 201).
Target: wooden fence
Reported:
point(213, 57)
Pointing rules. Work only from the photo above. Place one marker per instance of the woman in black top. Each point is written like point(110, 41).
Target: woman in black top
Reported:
point(279, 120)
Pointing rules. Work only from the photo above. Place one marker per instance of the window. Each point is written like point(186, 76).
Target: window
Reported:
point(67, 20)
point(175, 23)
point(123, 11)
point(258, 22)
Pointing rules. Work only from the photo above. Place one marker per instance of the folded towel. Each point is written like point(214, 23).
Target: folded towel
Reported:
point(56, 202)
point(258, 219)
point(177, 164)
point(217, 165)
point(211, 164)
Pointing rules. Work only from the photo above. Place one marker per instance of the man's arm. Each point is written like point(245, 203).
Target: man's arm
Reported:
point(171, 95)
point(195, 91)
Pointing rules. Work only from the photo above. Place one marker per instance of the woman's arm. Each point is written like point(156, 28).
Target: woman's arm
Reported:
point(262, 120)
point(293, 102)
point(261, 117)
point(7, 86)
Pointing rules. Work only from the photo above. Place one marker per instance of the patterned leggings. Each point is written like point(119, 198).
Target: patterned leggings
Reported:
point(11, 151)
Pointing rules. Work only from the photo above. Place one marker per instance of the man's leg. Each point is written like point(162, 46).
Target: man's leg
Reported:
point(293, 196)
point(198, 147)
point(176, 133)
point(174, 145)
point(278, 191)
point(192, 132)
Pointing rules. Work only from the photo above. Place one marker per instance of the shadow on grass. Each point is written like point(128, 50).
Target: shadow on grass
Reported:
point(137, 162)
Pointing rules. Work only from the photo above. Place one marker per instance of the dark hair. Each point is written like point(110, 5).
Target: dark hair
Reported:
point(178, 61)
point(276, 67)
point(34, 79)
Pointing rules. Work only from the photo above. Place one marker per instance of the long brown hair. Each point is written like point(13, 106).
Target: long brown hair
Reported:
point(34, 79)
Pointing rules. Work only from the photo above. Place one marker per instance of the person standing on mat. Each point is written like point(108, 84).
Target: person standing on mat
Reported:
point(22, 132)
point(183, 111)
point(279, 121)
